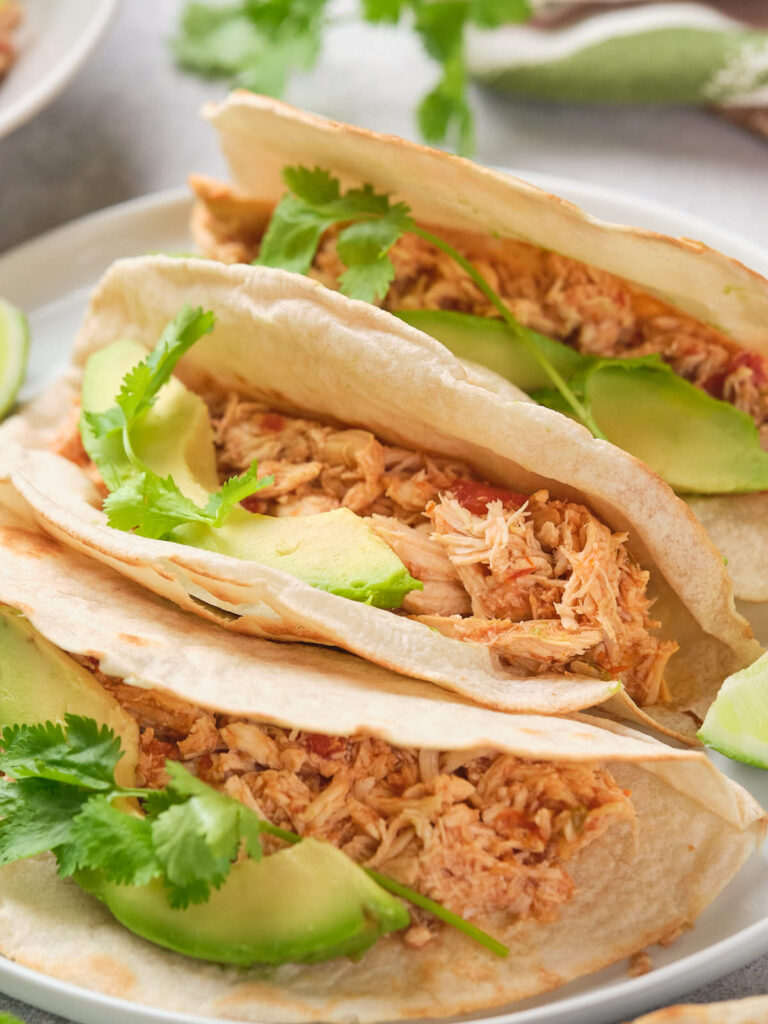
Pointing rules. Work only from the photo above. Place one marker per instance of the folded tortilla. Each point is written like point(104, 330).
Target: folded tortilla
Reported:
point(284, 340)
point(261, 136)
point(736, 1011)
point(693, 828)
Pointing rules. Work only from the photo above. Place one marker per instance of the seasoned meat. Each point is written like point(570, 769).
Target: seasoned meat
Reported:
point(485, 833)
point(480, 550)
point(11, 13)
point(590, 309)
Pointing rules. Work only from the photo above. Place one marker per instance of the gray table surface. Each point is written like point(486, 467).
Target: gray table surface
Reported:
point(128, 125)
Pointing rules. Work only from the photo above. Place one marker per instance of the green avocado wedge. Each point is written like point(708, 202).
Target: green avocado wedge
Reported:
point(39, 681)
point(491, 343)
point(335, 551)
point(697, 443)
point(304, 904)
point(14, 352)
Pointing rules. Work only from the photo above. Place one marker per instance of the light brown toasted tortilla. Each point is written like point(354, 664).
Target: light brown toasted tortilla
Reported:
point(287, 340)
point(260, 136)
point(694, 827)
point(737, 1011)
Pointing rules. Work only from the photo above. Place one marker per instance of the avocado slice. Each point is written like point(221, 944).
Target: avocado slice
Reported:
point(39, 683)
point(491, 343)
point(334, 551)
point(699, 444)
point(304, 904)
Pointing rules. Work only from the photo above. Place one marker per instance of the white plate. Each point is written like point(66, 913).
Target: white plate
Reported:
point(50, 278)
point(53, 41)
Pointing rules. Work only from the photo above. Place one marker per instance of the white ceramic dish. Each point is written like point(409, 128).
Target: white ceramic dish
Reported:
point(53, 41)
point(50, 277)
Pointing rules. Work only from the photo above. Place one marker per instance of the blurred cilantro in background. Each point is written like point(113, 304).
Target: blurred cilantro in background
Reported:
point(257, 44)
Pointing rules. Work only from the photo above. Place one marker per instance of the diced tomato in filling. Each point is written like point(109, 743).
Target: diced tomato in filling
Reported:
point(273, 421)
point(476, 496)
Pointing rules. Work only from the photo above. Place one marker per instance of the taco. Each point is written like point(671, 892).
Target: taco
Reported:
point(737, 1011)
point(528, 827)
point(661, 343)
point(397, 509)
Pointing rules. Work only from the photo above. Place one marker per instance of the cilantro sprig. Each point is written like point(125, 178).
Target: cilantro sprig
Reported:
point(258, 44)
point(140, 499)
point(372, 223)
point(188, 835)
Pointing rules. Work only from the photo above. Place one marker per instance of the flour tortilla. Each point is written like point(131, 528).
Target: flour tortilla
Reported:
point(285, 339)
point(260, 136)
point(695, 828)
point(737, 1011)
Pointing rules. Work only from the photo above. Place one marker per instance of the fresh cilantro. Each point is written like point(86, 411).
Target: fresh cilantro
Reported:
point(254, 44)
point(140, 499)
point(37, 815)
point(188, 834)
point(83, 755)
point(142, 383)
point(372, 223)
point(257, 44)
point(153, 506)
point(196, 840)
point(106, 839)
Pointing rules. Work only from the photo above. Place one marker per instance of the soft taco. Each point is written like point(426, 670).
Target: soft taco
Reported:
point(395, 507)
point(736, 1011)
point(659, 344)
point(528, 827)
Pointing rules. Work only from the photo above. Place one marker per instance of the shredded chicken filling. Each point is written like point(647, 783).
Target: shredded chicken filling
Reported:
point(590, 309)
point(541, 582)
point(486, 834)
point(11, 13)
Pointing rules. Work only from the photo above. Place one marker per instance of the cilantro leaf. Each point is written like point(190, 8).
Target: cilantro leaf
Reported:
point(196, 841)
point(233, 491)
point(112, 841)
point(257, 43)
point(8, 1018)
point(83, 755)
point(153, 506)
point(363, 247)
point(493, 13)
point(37, 816)
point(444, 112)
point(383, 10)
point(291, 240)
point(373, 225)
point(142, 383)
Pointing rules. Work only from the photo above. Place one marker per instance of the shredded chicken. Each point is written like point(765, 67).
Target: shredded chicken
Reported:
point(479, 550)
point(11, 13)
point(542, 583)
point(590, 309)
point(485, 833)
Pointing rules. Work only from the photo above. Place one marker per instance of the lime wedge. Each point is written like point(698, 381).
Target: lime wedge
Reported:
point(737, 723)
point(14, 348)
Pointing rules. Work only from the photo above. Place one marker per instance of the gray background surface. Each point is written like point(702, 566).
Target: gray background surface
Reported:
point(128, 125)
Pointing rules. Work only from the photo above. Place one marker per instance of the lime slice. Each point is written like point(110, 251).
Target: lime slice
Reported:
point(14, 348)
point(737, 723)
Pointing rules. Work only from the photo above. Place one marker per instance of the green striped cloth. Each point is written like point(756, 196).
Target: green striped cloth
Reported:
point(673, 52)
